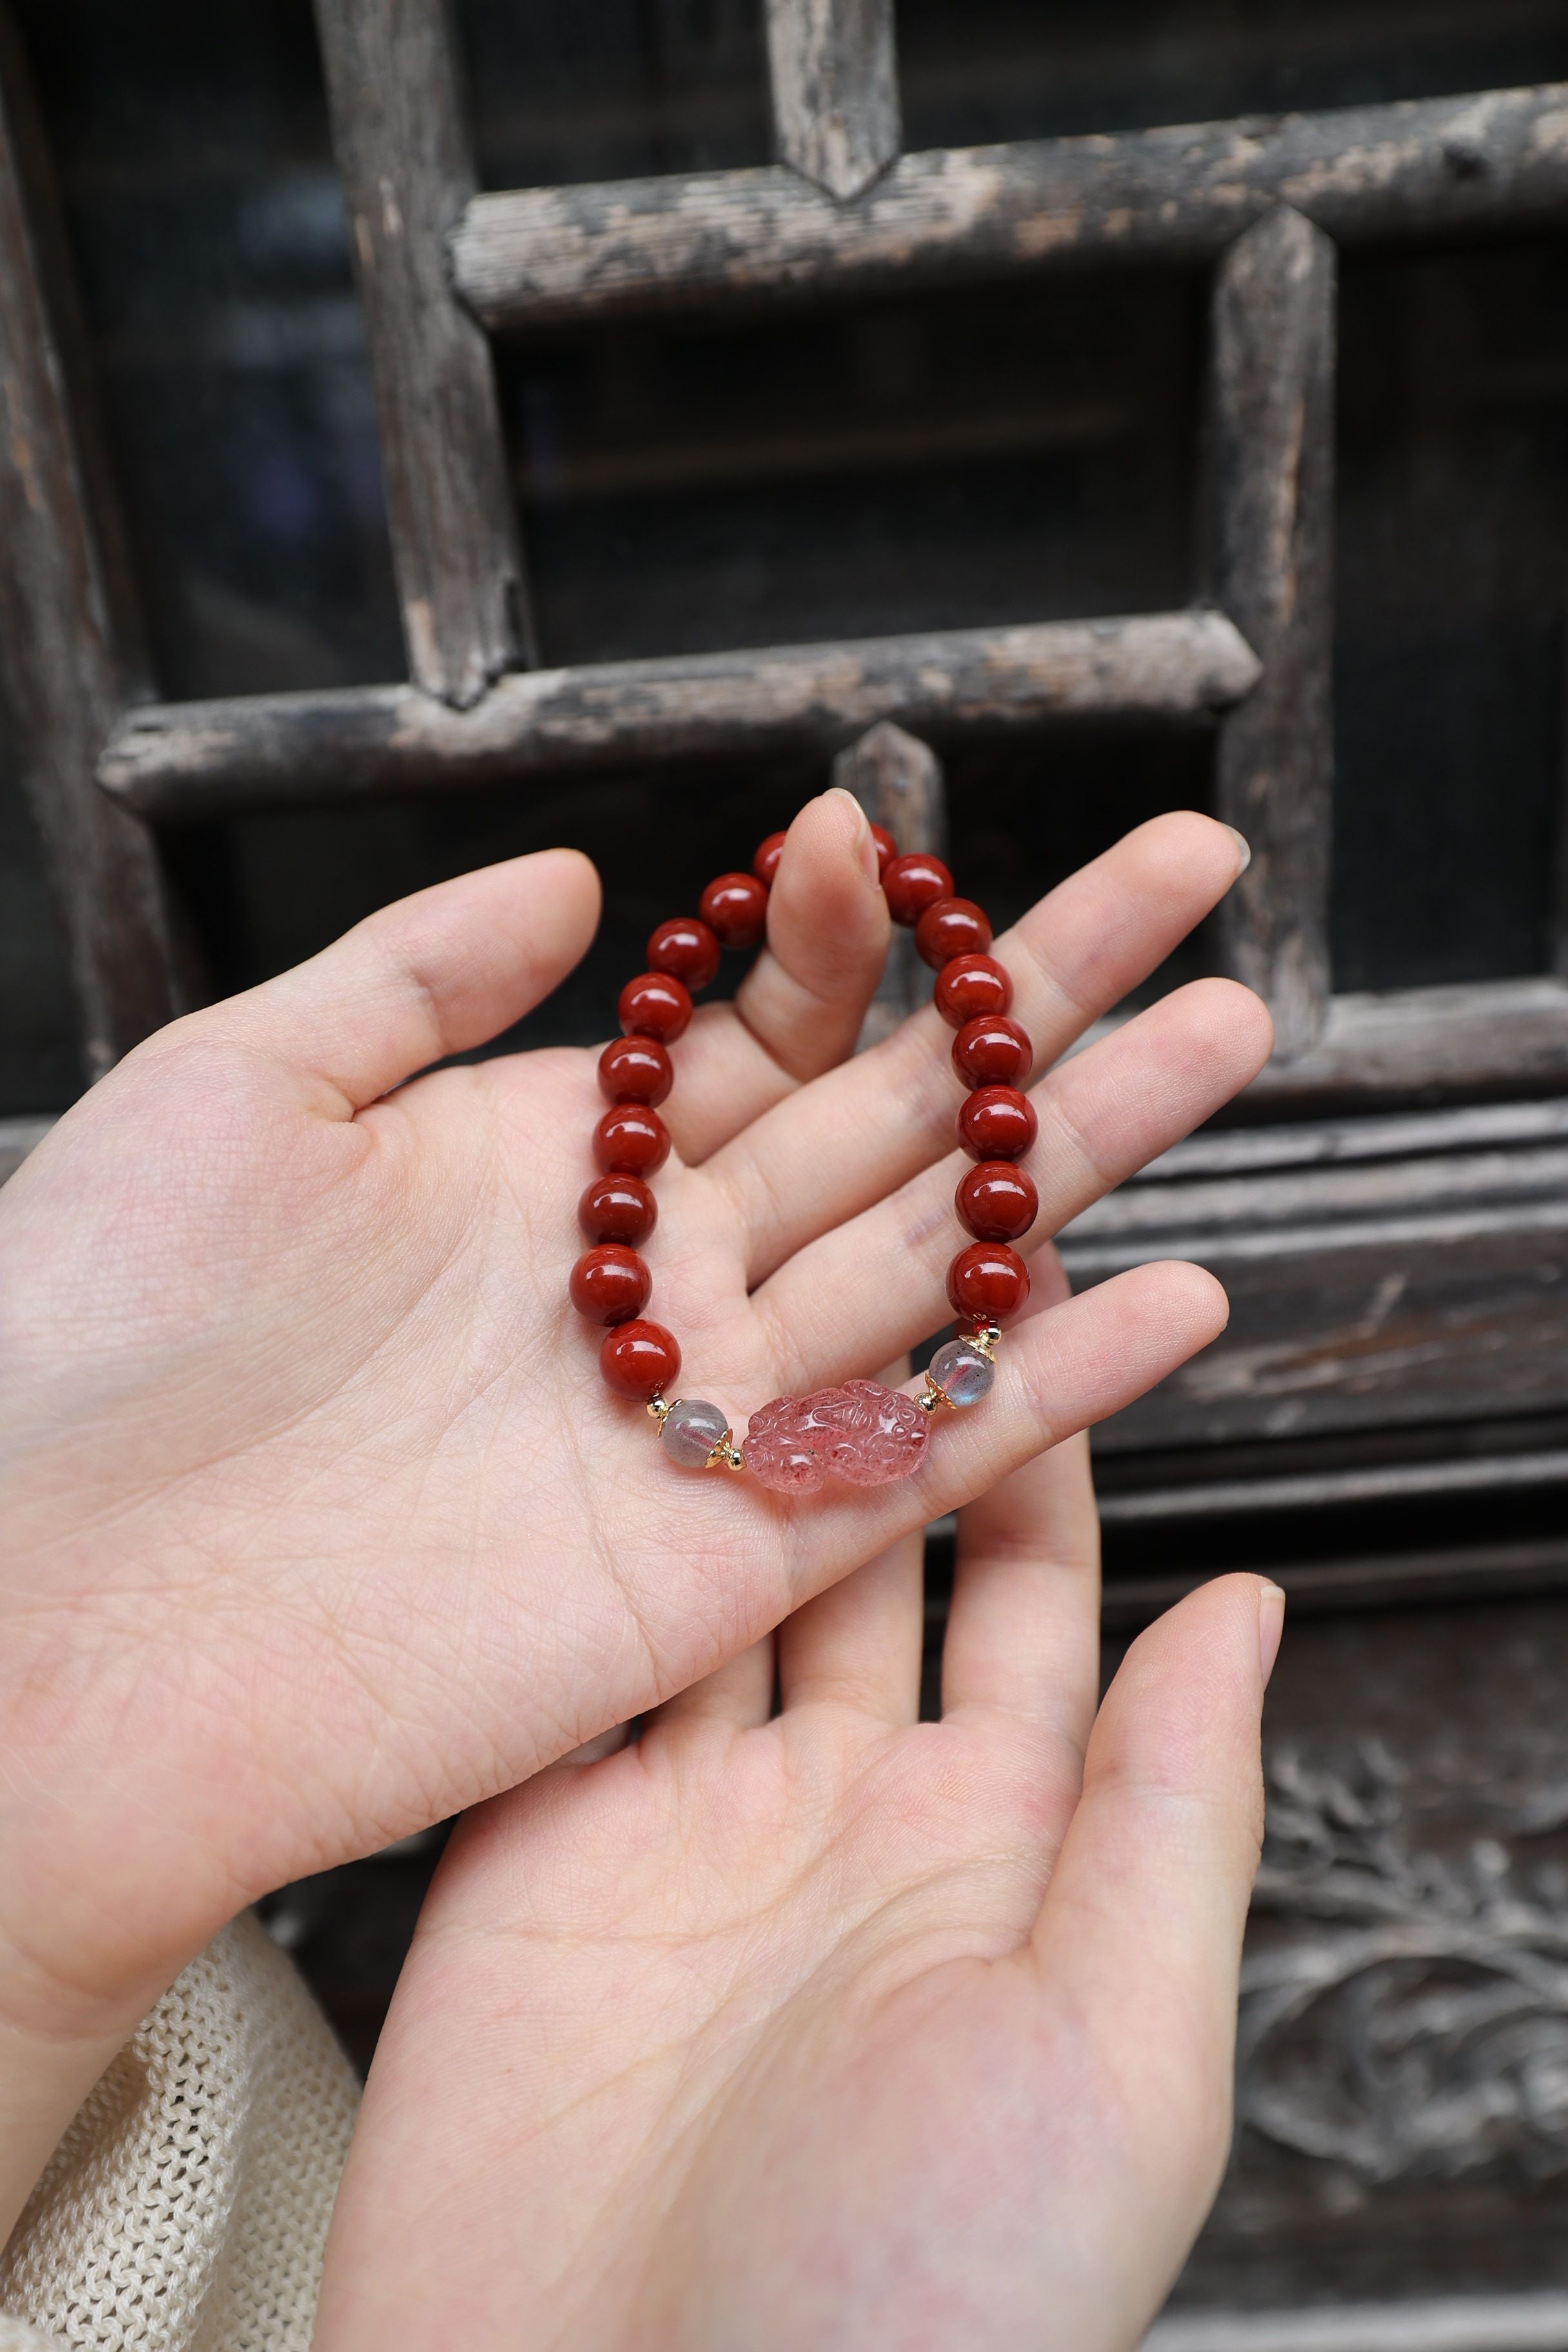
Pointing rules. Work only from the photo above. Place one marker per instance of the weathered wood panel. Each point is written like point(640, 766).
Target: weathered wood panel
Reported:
point(835, 89)
point(1423, 168)
point(1449, 2323)
point(185, 760)
point(1464, 1039)
point(897, 779)
point(402, 151)
point(1402, 2091)
point(58, 670)
point(1273, 440)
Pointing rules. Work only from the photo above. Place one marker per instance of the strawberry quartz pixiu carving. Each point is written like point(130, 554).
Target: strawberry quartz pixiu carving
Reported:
point(861, 1432)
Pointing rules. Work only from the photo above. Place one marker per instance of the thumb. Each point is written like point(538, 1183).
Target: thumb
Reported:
point(1140, 1935)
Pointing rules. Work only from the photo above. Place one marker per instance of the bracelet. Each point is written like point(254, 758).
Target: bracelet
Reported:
point(861, 1431)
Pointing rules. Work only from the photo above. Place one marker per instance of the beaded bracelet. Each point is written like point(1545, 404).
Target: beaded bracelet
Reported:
point(861, 1431)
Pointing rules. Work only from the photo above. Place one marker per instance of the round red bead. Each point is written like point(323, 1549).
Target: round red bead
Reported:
point(949, 927)
point(765, 864)
point(995, 1123)
point(685, 946)
point(992, 1052)
point(610, 1284)
point(969, 986)
point(996, 1202)
point(617, 1208)
point(887, 847)
point(636, 1069)
point(631, 1141)
point(914, 882)
point(639, 1359)
point(654, 1005)
point(988, 1281)
point(735, 907)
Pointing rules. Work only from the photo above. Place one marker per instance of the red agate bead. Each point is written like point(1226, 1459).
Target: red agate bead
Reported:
point(949, 927)
point(636, 1069)
point(992, 1052)
point(610, 1284)
point(765, 864)
point(886, 848)
point(995, 1123)
point(686, 947)
point(639, 1360)
point(654, 1005)
point(617, 1208)
point(631, 1141)
point(970, 985)
point(988, 1281)
point(914, 882)
point(735, 907)
point(996, 1202)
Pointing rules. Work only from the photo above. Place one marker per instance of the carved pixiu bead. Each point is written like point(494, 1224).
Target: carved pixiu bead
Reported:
point(636, 1069)
point(862, 1432)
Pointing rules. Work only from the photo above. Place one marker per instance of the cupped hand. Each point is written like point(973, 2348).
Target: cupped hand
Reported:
point(837, 2028)
point(318, 1523)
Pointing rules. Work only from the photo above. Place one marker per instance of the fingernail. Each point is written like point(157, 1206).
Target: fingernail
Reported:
point(865, 848)
point(1242, 851)
point(1270, 1624)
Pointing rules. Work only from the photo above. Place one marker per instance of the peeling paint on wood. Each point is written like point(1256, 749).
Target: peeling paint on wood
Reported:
point(185, 760)
point(1425, 167)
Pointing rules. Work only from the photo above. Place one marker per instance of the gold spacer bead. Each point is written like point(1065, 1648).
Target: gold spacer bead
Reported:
point(724, 1451)
point(659, 1409)
point(986, 1340)
point(934, 1397)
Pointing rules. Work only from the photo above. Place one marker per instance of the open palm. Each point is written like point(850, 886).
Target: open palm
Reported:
point(839, 2028)
point(318, 1523)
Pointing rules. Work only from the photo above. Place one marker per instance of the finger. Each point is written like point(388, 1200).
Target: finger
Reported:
point(804, 1166)
point(858, 1645)
point(1023, 1628)
point(740, 1694)
point(438, 973)
point(1060, 1371)
point(1141, 1930)
point(799, 1008)
point(877, 1284)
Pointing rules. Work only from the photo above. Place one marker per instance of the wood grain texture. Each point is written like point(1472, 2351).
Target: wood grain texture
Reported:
point(1402, 2100)
point(1273, 405)
point(204, 759)
point(402, 151)
point(58, 668)
point(898, 781)
point(1371, 1294)
point(1426, 167)
point(835, 89)
point(1481, 1037)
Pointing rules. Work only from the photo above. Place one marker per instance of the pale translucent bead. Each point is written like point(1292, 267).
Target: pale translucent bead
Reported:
point(693, 1428)
point(963, 1371)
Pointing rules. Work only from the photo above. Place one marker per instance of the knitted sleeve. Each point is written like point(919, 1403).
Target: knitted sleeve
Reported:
point(186, 2207)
